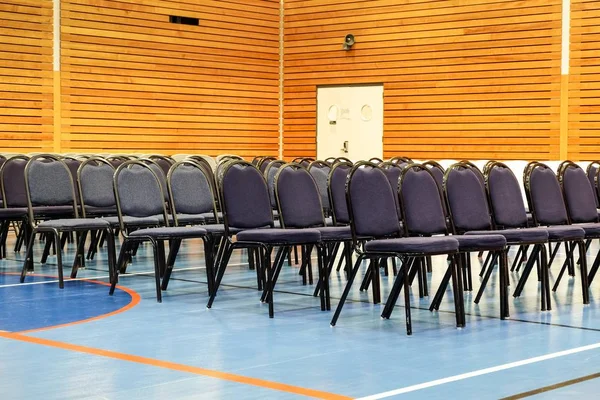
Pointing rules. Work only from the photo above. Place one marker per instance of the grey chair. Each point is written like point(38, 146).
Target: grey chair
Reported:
point(193, 203)
point(96, 196)
point(164, 162)
point(247, 211)
point(49, 183)
point(14, 201)
point(374, 215)
point(139, 194)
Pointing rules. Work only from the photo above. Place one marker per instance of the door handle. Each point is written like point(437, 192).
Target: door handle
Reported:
point(345, 147)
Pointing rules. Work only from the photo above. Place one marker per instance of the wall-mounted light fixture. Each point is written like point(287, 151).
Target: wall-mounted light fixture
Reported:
point(348, 42)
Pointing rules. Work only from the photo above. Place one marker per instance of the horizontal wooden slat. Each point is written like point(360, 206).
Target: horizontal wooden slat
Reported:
point(133, 81)
point(460, 78)
point(584, 81)
point(26, 78)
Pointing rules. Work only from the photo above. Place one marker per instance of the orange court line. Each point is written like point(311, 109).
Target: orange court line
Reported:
point(176, 367)
point(135, 299)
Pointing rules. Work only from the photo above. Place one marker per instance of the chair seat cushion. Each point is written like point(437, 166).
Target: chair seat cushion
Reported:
point(590, 229)
point(565, 232)
point(13, 212)
point(170, 232)
point(525, 235)
point(209, 217)
point(276, 235)
point(414, 245)
point(219, 229)
point(190, 219)
point(335, 233)
point(75, 223)
point(100, 210)
point(134, 221)
point(52, 210)
point(480, 242)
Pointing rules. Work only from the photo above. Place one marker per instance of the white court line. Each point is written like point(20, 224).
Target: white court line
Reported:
point(480, 372)
point(91, 278)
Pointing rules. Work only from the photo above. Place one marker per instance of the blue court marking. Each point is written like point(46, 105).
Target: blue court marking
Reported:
point(27, 307)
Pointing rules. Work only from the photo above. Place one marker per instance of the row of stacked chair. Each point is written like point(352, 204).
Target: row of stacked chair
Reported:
point(380, 210)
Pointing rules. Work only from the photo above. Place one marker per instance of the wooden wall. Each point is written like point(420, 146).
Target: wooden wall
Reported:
point(133, 82)
point(26, 79)
point(476, 79)
point(584, 81)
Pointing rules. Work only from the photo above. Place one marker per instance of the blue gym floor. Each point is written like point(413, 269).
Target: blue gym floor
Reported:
point(81, 343)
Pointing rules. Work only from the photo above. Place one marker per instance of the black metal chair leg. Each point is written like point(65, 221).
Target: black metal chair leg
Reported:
point(220, 271)
point(79, 257)
point(351, 277)
point(173, 251)
point(486, 278)
point(583, 272)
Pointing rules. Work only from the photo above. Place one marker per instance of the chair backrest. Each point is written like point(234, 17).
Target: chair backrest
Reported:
point(544, 195)
point(376, 160)
point(421, 202)
point(115, 161)
point(227, 157)
point(506, 199)
point(160, 173)
point(264, 163)
point(336, 186)
point(269, 171)
point(371, 204)
point(95, 182)
point(2, 161)
point(320, 173)
point(466, 199)
point(305, 162)
point(256, 160)
point(578, 193)
point(401, 160)
point(438, 173)
point(138, 191)
point(209, 167)
point(163, 161)
point(592, 172)
point(244, 196)
point(73, 164)
point(329, 160)
point(392, 171)
point(49, 183)
point(190, 189)
point(12, 181)
point(476, 170)
point(342, 160)
point(298, 198)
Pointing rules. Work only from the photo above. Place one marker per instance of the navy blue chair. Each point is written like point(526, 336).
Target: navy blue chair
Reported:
point(374, 215)
point(247, 212)
point(299, 205)
point(508, 212)
point(470, 214)
point(423, 215)
point(592, 172)
point(579, 201)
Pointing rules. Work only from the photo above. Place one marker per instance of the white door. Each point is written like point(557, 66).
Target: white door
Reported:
point(350, 122)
